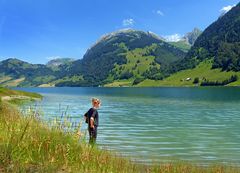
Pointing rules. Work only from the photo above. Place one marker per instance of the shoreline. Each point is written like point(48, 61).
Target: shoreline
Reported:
point(163, 86)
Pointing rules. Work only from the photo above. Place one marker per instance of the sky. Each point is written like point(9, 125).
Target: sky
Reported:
point(37, 31)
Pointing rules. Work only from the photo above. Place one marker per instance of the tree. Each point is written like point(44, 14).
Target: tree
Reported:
point(138, 80)
point(196, 80)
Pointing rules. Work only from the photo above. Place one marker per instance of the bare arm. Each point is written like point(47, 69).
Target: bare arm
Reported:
point(92, 119)
point(92, 122)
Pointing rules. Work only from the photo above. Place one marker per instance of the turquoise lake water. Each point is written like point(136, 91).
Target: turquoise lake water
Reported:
point(199, 125)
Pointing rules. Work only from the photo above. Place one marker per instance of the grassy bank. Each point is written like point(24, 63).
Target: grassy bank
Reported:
point(17, 97)
point(29, 145)
point(10, 92)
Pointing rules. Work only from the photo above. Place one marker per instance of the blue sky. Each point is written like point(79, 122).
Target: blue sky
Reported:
point(39, 30)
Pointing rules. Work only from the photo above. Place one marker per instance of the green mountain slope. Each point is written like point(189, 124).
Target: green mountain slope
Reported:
point(122, 55)
point(203, 72)
point(14, 72)
point(220, 41)
point(182, 44)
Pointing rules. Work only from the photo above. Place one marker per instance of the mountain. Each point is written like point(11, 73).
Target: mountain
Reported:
point(17, 68)
point(191, 37)
point(123, 54)
point(187, 40)
point(59, 61)
point(131, 57)
point(14, 72)
point(220, 42)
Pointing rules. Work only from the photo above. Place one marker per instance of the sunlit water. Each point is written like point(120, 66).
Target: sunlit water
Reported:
point(200, 125)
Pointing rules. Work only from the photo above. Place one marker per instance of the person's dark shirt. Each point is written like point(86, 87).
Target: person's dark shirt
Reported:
point(93, 113)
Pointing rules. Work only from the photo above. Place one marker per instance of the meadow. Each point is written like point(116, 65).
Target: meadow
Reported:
point(202, 71)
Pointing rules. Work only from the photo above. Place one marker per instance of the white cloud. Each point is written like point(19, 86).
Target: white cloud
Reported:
point(226, 9)
point(128, 22)
point(159, 12)
point(53, 57)
point(173, 38)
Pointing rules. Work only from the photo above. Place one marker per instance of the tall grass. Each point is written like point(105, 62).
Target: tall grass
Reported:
point(29, 145)
point(9, 92)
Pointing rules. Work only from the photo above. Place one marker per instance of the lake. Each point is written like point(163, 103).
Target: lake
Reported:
point(199, 125)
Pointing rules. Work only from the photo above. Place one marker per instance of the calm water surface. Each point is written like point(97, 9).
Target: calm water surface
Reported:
point(200, 125)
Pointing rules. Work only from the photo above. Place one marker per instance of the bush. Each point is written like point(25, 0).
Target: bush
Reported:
point(138, 80)
point(196, 80)
point(233, 78)
point(126, 75)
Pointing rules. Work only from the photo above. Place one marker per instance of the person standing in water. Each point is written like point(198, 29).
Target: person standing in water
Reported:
point(91, 117)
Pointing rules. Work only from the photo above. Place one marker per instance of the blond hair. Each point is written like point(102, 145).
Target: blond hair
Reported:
point(96, 100)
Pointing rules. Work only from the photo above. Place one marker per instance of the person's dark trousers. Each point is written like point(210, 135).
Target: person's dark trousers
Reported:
point(92, 135)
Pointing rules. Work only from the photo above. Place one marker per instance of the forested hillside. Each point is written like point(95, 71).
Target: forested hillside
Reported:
point(220, 42)
point(122, 55)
